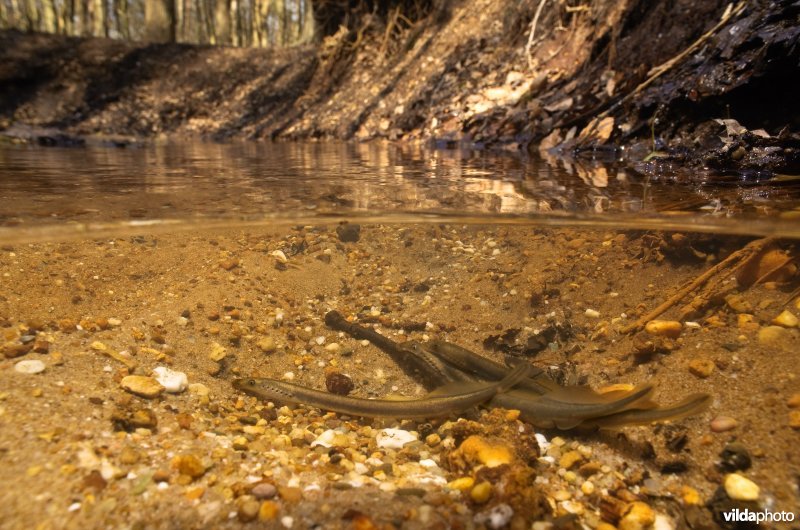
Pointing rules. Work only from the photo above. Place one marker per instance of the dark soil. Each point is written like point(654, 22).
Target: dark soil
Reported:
point(458, 71)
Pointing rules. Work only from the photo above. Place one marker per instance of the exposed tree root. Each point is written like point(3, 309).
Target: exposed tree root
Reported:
point(709, 282)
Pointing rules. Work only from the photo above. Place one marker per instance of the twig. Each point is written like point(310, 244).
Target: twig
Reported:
point(534, 22)
point(657, 71)
point(749, 249)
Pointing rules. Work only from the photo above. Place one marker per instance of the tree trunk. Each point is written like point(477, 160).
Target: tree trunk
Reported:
point(159, 21)
point(306, 21)
point(31, 15)
point(222, 22)
point(49, 18)
point(99, 18)
point(121, 12)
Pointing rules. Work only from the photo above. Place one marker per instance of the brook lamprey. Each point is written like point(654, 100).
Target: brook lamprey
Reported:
point(540, 400)
point(442, 402)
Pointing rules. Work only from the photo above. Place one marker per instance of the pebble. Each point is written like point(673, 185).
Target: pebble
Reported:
point(786, 319)
point(738, 303)
point(173, 381)
point(266, 345)
point(592, 313)
point(290, 494)
point(740, 488)
point(774, 336)
point(30, 366)
point(141, 385)
point(393, 438)
point(338, 383)
point(638, 516)
point(268, 511)
point(747, 322)
point(331, 438)
point(794, 419)
point(229, 264)
point(569, 459)
point(701, 368)
point(264, 490)
point(663, 522)
point(248, 508)
point(481, 492)
point(690, 496)
point(476, 448)
point(188, 465)
point(198, 389)
point(723, 424)
point(734, 457)
point(498, 516)
point(794, 401)
point(217, 352)
point(461, 484)
point(664, 328)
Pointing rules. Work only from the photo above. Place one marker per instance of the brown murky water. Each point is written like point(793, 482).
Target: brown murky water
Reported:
point(221, 261)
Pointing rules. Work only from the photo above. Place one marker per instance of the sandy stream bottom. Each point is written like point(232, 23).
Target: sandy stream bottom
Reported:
point(79, 451)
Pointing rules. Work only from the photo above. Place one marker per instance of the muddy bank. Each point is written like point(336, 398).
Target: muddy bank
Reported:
point(651, 77)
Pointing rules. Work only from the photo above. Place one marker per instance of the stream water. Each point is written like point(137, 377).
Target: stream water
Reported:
point(221, 261)
point(58, 191)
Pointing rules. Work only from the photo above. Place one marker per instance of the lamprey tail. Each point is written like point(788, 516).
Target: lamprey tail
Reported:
point(690, 406)
point(562, 413)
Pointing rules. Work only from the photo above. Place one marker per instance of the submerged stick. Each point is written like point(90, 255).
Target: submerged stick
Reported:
point(749, 249)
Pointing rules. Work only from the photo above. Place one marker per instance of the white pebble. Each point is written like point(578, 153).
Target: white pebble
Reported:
point(287, 521)
point(173, 381)
point(393, 438)
point(496, 517)
point(325, 439)
point(279, 256)
point(663, 522)
point(740, 488)
point(544, 445)
point(592, 313)
point(29, 366)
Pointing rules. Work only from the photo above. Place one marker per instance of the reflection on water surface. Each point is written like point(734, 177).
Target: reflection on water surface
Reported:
point(188, 183)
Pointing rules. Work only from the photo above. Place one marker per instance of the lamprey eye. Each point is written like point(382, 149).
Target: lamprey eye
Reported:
point(251, 382)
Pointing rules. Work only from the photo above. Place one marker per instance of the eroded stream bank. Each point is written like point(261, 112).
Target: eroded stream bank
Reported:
point(650, 76)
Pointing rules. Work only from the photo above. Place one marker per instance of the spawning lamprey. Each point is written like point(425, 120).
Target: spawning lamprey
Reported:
point(438, 363)
point(441, 402)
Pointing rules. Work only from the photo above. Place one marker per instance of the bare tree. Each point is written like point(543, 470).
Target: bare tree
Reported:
point(222, 22)
point(159, 20)
point(259, 23)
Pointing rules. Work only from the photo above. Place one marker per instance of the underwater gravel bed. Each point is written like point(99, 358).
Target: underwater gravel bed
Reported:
point(95, 440)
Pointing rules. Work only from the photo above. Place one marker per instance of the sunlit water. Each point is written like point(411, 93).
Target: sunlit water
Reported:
point(58, 192)
point(90, 303)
